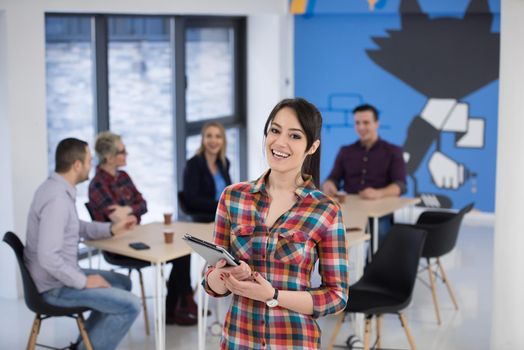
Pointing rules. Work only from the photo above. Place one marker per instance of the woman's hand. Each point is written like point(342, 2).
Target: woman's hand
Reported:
point(119, 212)
point(214, 280)
point(257, 289)
point(241, 272)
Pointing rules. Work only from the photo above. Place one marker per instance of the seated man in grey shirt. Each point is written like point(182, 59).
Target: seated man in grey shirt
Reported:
point(53, 233)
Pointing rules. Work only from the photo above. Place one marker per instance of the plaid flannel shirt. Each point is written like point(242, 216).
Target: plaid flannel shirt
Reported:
point(285, 254)
point(105, 190)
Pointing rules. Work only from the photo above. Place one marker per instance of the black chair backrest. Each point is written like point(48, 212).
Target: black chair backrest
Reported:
point(88, 207)
point(195, 216)
point(33, 299)
point(30, 292)
point(443, 229)
point(395, 265)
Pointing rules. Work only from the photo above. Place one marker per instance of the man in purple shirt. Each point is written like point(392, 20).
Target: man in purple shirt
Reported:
point(53, 233)
point(370, 167)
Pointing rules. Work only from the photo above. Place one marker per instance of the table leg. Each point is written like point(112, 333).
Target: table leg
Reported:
point(89, 256)
point(411, 214)
point(160, 321)
point(201, 329)
point(375, 234)
point(204, 315)
point(360, 257)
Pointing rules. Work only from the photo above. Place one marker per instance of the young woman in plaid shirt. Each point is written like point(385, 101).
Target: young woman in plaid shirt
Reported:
point(279, 226)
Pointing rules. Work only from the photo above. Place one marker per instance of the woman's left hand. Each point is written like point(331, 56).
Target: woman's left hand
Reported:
point(257, 289)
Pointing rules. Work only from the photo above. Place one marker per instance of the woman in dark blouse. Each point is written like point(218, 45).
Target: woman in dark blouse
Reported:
point(207, 174)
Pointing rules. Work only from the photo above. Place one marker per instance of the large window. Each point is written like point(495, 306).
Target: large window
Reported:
point(69, 85)
point(153, 79)
point(215, 86)
point(140, 108)
point(210, 73)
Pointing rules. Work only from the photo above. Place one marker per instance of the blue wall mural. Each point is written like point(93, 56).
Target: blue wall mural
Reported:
point(430, 67)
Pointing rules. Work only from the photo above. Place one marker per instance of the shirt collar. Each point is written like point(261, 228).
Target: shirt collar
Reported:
point(376, 144)
point(302, 191)
point(71, 190)
point(104, 175)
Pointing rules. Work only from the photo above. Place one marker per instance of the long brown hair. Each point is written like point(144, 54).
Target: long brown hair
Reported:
point(310, 120)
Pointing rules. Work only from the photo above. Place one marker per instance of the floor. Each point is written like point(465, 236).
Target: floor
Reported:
point(469, 267)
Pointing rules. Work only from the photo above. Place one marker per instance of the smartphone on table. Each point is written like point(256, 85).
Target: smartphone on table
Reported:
point(139, 245)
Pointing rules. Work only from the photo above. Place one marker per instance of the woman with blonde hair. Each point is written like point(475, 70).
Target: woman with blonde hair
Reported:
point(207, 173)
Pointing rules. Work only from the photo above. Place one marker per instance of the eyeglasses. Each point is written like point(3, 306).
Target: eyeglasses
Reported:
point(122, 151)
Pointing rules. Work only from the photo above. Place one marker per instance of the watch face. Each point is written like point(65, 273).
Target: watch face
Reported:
point(272, 303)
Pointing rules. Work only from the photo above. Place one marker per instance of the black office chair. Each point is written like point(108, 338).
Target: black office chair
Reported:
point(37, 304)
point(443, 229)
point(130, 264)
point(194, 215)
point(387, 284)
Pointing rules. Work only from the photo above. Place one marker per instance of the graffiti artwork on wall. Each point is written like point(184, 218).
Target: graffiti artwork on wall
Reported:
point(445, 59)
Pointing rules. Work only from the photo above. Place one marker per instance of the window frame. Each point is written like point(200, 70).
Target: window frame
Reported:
point(181, 128)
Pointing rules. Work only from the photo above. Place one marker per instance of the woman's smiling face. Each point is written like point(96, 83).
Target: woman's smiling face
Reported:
point(286, 142)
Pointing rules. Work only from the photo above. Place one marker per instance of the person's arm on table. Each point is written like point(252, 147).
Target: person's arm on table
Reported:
point(97, 230)
point(119, 212)
point(330, 186)
point(138, 204)
point(101, 230)
point(392, 190)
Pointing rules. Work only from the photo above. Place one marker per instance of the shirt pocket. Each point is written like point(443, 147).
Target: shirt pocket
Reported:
point(241, 241)
point(290, 246)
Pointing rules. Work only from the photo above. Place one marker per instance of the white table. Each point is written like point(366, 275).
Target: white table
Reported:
point(158, 254)
point(354, 206)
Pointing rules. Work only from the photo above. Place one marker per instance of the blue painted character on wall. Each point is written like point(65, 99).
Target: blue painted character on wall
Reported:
point(432, 74)
point(445, 59)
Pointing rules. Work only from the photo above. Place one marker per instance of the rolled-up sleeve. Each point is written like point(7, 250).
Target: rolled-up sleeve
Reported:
point(332, 295)
point(220, 236)
point(95, 230)
point(54, 218)
point(337, 173)
point(397, 170)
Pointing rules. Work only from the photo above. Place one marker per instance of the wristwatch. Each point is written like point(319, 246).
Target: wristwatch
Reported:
point(274, 301)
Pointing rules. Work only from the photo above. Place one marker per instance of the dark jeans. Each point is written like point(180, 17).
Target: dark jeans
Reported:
point(114, 309)
point(384, 225)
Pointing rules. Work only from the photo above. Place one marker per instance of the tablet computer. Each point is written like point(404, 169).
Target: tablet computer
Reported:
point(212, 253)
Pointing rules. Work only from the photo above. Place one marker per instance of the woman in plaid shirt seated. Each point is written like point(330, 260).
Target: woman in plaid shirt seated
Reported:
point(279, 226)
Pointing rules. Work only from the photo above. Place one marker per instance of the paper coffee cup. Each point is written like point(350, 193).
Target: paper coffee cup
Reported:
point(168, 236)
point(167, 218)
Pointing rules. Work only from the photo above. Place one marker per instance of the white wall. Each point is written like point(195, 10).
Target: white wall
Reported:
point(22, 87)
point(270, 61)
point(23, 107)
point(508, 277)
point(7, 273)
